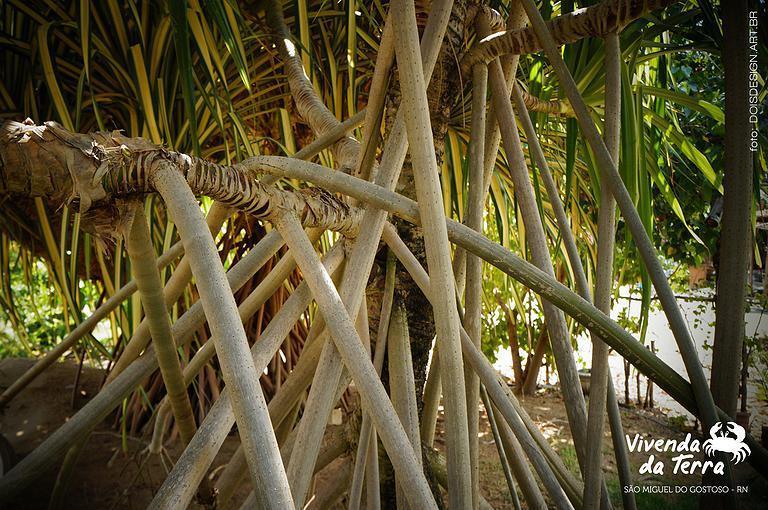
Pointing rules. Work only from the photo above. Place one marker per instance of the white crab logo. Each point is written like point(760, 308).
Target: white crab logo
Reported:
point(722, 441)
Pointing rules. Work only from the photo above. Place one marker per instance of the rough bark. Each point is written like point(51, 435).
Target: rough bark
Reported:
point(91, 171)
point(308, 103)
point(552, 106)
point(594, 21)
point(402, 389)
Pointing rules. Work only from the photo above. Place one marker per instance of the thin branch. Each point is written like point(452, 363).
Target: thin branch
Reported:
point(433, 389)
point(372, 480)
point(247, 308)
point(82, 329)
point(144, 269)
point(537, 242)
point(87, 418)
point(291, 391)
point(552, 106)
point(377, 95)
point(181, 484)
point(174, 288)
point(600, 375)
point(705, 404)
point(473, 293)
point(240, 374)
point(364, 460)
point(500, 449)
point(359, 365)
point(416, 109)
point(619, 446)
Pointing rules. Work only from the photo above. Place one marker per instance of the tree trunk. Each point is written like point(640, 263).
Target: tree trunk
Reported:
point(514, 345)
point(421, 326)
point(533, 367)
point(736, 229)
point(736, 233)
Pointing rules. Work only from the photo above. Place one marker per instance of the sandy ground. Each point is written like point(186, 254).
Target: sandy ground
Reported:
point(547, 411)
point(106, 476)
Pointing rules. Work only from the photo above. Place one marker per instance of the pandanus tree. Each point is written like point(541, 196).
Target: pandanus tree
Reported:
point(369, 244)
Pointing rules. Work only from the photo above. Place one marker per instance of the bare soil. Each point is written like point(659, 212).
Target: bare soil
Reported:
point(108, 475)
point(548, 412)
